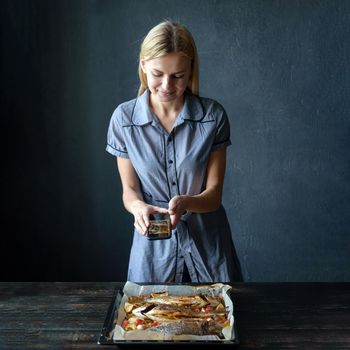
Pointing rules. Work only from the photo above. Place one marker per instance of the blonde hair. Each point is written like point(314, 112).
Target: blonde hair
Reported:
point(165, 38)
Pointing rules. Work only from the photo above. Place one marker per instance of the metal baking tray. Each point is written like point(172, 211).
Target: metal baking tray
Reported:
point(106, 337)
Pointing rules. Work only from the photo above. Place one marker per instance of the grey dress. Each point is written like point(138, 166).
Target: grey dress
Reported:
point(169, 165)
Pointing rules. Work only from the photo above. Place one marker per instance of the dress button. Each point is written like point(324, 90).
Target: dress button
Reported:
point(170, 161)
point(174, 183)
point(170, 139)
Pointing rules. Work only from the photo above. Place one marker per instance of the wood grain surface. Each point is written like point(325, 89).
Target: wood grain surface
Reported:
point(70, 315)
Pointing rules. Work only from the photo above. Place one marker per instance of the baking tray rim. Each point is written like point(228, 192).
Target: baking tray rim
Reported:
point(108, 325)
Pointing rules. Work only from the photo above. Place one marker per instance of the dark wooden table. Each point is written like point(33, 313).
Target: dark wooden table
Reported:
point(268, 315)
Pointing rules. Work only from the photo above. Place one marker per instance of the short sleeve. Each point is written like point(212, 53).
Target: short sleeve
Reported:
point(222, 134)
point(115, 136)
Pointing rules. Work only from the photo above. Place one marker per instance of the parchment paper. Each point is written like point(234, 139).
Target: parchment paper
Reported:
point(133, 289)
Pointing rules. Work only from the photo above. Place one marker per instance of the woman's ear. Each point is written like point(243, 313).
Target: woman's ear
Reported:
point(143, 66)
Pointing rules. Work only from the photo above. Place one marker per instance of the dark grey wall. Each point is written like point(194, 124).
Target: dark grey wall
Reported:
point(280, 68)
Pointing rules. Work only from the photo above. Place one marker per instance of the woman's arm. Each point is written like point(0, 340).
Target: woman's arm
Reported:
point(132, 196)
point(210, 198)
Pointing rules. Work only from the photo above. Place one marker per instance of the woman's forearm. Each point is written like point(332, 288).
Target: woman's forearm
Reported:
point(131, 199)
point(210, 199)
point(207, 201)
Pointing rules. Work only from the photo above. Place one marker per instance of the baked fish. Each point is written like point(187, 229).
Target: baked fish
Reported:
point(184, 327)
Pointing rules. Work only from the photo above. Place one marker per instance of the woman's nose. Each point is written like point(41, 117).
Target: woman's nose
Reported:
point(166, 82)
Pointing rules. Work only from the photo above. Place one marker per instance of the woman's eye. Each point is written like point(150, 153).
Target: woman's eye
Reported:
point(158, 75)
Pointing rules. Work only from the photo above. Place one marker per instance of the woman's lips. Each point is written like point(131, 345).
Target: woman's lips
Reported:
point(165, 93)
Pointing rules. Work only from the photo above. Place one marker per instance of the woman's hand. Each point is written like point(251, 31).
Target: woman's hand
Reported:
point(141, 212)
point(177, 207)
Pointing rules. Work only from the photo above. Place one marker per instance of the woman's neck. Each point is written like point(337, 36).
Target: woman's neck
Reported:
point(166, 112)
point(166, 109)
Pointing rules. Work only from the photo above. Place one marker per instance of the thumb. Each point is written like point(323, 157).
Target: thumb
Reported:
point(172, 208)
point(172, 205)
point(161, 210)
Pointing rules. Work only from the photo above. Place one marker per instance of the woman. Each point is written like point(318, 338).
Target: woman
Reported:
point(170, 146)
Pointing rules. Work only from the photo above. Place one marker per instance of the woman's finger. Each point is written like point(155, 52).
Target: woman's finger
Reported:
point(174, 204)
point(139, 221)
point(172, 207)
point(174, 219)
point(138, 228)
point(145, 218)
point(161, 210)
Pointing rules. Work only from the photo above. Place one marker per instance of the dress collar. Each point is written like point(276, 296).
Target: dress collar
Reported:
point(193, 110)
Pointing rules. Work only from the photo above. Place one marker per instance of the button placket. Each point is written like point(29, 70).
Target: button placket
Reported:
point(171, 166)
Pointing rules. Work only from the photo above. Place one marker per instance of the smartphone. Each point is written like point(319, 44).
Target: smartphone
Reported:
point(159, 226)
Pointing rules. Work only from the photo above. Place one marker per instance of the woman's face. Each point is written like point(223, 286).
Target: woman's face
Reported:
point(167, 76)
